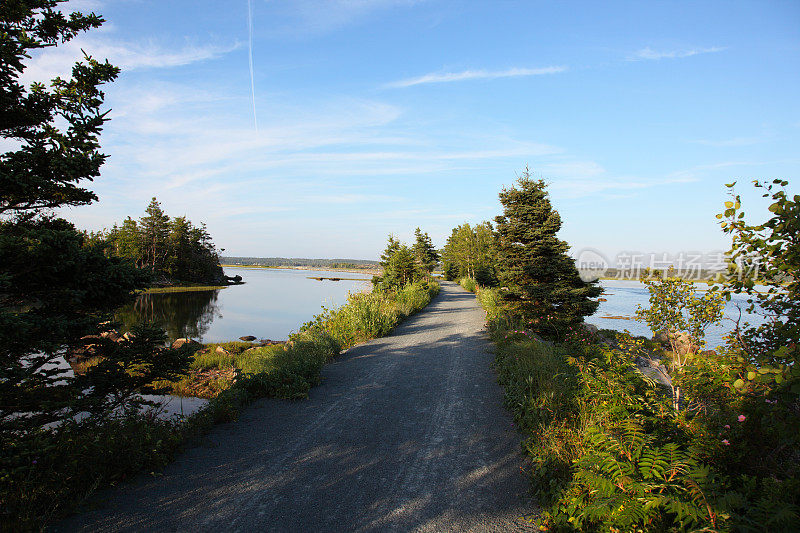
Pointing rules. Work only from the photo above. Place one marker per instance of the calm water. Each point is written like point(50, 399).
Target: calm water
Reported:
point(270, 305)
point(623, 297)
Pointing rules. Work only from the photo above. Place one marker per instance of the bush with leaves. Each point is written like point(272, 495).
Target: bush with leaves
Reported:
point(681, 315)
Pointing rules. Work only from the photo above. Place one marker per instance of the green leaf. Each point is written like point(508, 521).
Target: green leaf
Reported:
point(751, 375)
point(774, 208)
point(738, 383)
point(729, 204)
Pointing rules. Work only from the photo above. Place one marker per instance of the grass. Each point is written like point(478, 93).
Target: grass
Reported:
point(50, 473)
point(608, 452)
point(161, 290)
point(370, 315)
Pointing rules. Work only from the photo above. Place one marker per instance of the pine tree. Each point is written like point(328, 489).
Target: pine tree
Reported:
point(402, 268)
point(154, 232)
point(57, 284)
point(425, 254)
point(391, 247)
point(540, 282)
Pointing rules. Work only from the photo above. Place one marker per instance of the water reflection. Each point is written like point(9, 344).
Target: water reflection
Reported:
point(180, 314)
point(270, 305)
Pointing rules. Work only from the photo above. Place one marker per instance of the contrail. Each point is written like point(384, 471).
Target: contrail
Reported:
point(250, 54)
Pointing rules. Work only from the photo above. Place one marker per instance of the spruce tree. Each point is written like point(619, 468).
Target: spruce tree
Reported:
point(154, 230)
point(425, 254)
point(57, 284)
point(540, 282)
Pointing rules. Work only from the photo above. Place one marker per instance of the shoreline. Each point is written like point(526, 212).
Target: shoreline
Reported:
point(372, 271)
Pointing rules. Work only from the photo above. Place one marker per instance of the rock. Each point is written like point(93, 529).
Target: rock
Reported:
point(590, 328)
point(183, 342)
point(661, 337)
point(247, 338)
point(681, 342)
point(221, 350)
point(654, 370)
point(128, 336)
point(684, 343)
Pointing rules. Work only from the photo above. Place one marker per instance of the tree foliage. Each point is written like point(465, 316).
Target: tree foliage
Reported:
point(770, 254)
point(399, 265)
point(173, 247)
point(471, 252)
point(57, 127)
point(57, 284)
point(540, 281)
point(425, 254)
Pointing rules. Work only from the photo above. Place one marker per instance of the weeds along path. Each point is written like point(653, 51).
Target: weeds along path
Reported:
point(405, 433)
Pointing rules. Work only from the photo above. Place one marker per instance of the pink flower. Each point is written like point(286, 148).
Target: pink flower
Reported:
point(727, 426)
point(725, 442)
point(742, 418)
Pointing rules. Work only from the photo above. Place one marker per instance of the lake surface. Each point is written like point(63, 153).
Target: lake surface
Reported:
point(623, 296)
point(271, 304)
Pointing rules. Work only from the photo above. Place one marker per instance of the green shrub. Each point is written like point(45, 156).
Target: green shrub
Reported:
point(468, 283)
point(609, 452)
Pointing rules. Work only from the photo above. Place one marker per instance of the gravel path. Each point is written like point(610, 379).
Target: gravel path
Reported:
point(406, 433)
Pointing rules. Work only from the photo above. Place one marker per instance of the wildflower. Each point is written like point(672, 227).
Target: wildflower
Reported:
point(727, 426)
point(725, 442)
point(742, 418)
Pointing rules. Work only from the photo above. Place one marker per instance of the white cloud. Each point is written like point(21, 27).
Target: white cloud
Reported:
point(649, 53)
point(475, 75)
point(51, 62)
point(579, 179)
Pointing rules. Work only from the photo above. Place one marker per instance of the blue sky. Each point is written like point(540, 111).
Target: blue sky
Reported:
point(377, 116)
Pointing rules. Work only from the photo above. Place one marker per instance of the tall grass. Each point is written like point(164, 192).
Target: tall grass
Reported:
point(61, 468)
point(468, 283)
point(608, 452)
point(370, 315)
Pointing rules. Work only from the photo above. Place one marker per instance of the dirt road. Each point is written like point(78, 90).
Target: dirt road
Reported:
point(406, 433)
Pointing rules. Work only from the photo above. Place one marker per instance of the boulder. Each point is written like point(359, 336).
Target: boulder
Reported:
point(654, 370)
point(661, 337)
point(128, 336)
point(184, 342)
point(682, 341)
point(590, 329)
point(221, 350)
point(247, 338)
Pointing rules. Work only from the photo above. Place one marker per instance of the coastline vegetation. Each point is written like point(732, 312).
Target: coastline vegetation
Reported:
point(172, 249)
point(182, 288)
point(633, 434)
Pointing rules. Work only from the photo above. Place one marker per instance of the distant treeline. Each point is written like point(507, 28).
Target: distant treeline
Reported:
point(300, 262)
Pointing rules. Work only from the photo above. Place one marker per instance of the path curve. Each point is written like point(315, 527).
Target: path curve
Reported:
point(406, 433)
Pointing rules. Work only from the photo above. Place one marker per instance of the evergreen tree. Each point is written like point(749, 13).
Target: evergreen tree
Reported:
point(402, 268)
point(57, 284)
point(154, 232)
point(425, 254)
point(391, 247)
point(540, 281)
